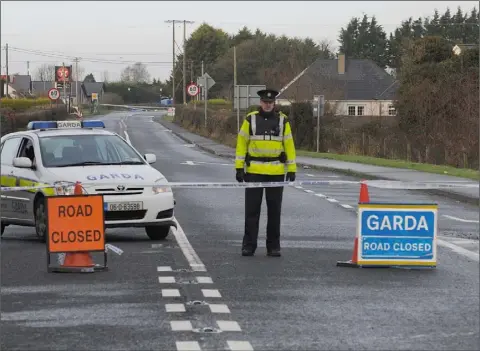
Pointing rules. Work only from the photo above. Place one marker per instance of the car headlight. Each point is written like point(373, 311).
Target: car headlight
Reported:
point(161, 188)
point(64, 188)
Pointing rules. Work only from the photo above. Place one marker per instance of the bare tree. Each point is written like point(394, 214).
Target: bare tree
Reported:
point(45, 73)
point(137, 73)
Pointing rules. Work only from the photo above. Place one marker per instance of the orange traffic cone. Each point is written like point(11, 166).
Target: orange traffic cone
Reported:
point(364, 197)
point(353, 262)
point(78, 190)
point(78, 259)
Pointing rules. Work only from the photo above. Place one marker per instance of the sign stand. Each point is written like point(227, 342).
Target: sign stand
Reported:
point(393, 235)
point(76, 227)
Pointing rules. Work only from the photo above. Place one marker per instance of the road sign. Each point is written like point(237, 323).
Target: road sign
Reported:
point(246, 96)
point(75, 223)
point(397, 235)
point(193, 89)
point(54, 94)
point(206, 81)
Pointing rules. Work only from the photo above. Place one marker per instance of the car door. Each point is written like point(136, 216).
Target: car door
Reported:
point(23, 206)
point(8, 178)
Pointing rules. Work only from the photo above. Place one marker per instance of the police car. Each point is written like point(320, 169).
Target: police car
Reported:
point(59, 153)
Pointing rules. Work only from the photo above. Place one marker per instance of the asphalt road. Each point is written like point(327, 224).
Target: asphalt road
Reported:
point(300, 301)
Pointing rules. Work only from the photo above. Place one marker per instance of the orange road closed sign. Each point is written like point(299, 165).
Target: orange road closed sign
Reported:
point(75, 223)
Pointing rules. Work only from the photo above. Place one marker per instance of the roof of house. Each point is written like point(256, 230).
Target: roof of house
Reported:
point(363, 80)
point(21, 83)
point(39, 87)
point(93, 87)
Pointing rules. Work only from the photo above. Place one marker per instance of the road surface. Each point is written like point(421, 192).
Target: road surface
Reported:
point(301, 301)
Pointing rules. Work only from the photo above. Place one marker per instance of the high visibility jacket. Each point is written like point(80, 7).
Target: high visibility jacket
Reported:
point(265, 145)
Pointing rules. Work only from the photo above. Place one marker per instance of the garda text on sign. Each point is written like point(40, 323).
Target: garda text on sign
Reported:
point(75, 223)
point(397, 234)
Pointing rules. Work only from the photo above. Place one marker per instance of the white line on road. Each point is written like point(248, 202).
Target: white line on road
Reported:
point(127, 137)
point(461, 219)
point(346, 206)
point(239, 346)
point(459, 250)
point(170, 292)
point(219, 308)
point(188, 346)
point(166, 280)
point(211, 293)
point(228, 326)
point(164, 269)
point(187, 249)
point(181, 325)
point(175, 307)
point(191, 163)
point(331, 200)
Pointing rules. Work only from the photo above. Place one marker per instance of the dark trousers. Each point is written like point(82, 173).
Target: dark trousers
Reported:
point(253, 205)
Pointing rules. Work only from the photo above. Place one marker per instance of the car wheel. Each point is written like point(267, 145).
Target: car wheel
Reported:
point(157, 232)
point(41, 219)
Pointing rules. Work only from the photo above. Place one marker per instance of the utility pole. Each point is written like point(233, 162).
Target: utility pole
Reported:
point(28, 74)
point(235, 86)
point(173, 59)
point(76, 80)
point(185, 60)
point(6, 68)
point(203, 93)
point(64, 87)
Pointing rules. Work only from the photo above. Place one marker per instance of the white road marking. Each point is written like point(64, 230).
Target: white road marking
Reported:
point(170, 292)
point(189, 145)
point(459, 250)
point(166, 280)
point(164, 269)
point(298, 187)
point(175, 307)
point(461, 219)
point(320, 195)
point(331, 200)
point(228, 326)
point(219, 308)
point(191, 163)
point(309, 191)
point(211, 293)
point(157, 246)
point(187, 249)
point(204, 280)
point(346, 206)
point(188, 346)
point(309, 175)
point(239, 346)
point(181, 325)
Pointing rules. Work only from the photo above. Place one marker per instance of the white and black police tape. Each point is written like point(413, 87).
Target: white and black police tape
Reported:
point(383, 184)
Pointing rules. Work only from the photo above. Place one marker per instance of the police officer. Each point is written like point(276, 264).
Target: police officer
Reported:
point(265, 146)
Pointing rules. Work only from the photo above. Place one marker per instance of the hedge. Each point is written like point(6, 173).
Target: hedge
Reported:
point(23, 104)
point(12, 121)
point(211, 102)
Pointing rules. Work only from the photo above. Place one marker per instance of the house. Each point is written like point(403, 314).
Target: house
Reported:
point(351, 87)
point(22, 86)
point(41, 88)
point(459, 48)
point(90, 88)
point(19, 86)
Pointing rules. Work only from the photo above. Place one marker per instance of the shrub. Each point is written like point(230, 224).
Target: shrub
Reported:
point(23, 104)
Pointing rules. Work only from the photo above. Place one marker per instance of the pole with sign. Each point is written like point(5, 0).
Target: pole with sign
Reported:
point(193, 89)
point(206, 83)
point(395, 235)
point(319, 108)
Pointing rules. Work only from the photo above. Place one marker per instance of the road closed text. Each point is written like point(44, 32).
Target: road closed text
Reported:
point(76, 236)
point(397, 246)
point(76, 223)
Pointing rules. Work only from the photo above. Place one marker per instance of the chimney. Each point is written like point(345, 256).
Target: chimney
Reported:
point(341, 63)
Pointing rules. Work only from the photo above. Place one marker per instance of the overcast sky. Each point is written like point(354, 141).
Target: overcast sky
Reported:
point(128, 31)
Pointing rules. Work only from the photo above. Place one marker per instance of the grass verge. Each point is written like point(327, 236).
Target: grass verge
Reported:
point(382, 162)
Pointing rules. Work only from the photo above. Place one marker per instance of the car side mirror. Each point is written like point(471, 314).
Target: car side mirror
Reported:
point(150, 158)
point(22, 162)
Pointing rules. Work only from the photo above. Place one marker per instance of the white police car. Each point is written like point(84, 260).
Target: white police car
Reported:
point(49, 152)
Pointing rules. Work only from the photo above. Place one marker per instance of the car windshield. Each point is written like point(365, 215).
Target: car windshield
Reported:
point(85, 150)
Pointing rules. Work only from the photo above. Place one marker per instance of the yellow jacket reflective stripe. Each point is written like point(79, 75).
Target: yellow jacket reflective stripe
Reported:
point(265, 146)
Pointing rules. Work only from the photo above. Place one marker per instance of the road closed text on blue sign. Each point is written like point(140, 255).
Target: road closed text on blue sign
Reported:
point(397, 234)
